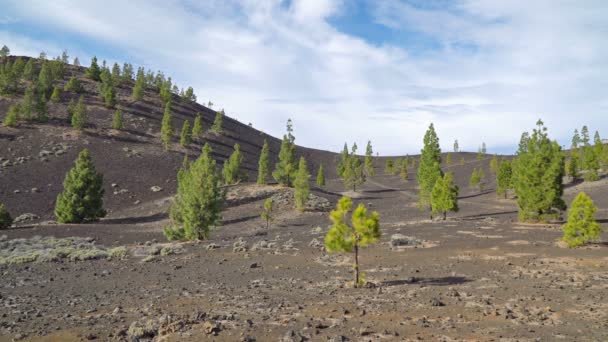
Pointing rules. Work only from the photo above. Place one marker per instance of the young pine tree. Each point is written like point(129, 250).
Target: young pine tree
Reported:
point(218, 122)
point(444, 197)
point(268, 212)
point(10, 120)
point(139, 87)
point(42, 113)
point(503, 178)
point(118, 121)
point(56, 96)
point(94, 72)
point(354, 170)
point(364, 229)
point(475, 180)
point(5, 217)
point(538, 176)
point(403, 173)
point(82, 196)
point(79, 116)
point(232, 166)
point(197, 128)
point(388, 167)
point(167, 130)
point(581, 226)
point(572, 165)
point(73, 85)
point(342, 163)
point(198, 204)
point(286, 168)
point(462, 161)
point(369, 161)
point(494, 165)
point(429, 169)
point(321, 176)
point(448, 159)
point(456, 147)
point(186, 135)
point(302, 189)
point(264, 165)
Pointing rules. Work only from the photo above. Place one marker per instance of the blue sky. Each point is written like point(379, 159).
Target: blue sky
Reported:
point(481, 70)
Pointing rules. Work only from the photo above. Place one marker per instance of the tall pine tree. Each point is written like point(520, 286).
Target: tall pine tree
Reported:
point(167, 130)
point(369, 161)
point(264, 165)
point(302, 188)
point(429, 169)
point(444, 197)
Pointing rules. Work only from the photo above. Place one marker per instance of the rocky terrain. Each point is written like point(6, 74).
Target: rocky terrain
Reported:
point(478, 276)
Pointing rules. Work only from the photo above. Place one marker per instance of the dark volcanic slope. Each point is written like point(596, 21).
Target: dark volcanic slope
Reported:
point(39, 155)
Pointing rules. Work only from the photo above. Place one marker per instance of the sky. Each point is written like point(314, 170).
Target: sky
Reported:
point(353, 71)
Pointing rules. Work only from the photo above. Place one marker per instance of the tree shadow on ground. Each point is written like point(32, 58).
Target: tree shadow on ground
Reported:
point(240, 219)
point(432, 281)
point(484, 215)
point(379, 191)
point(476, 195)
point(134, 220)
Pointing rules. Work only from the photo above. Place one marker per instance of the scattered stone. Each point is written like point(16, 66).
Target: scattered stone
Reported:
point(398, 240)
point(211, 328)
point(254, 265)
point(315, 243)
point(293, 336)
point(156, 188)
point(35, 190)
point(239, 245)
point(436, 302)
point(26, 217)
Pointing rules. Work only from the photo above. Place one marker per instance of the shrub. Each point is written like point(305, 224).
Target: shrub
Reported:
point(581, 226)
point(5, 217)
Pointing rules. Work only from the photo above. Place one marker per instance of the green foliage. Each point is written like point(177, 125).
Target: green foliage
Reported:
point(79, 116)
point(165, 91)
point(232, 166)
point(18, 67)
point(116, 72)
point(342, 163)
point(285, 169)
point(302, 188)
point(388, 167)
point(44, 83)
point(189, 95)
point(118, 121)
point(581, 226)
point(363, 231)
point(197, 128)
point(73, 85)
point(198, 204)
point(218, 122)
point(448, 159)
point(140, 86)
point(8, 79)
point(494, 165)
point(167, 130)
point(5, 217)
point(321, 176)
point(504, 178)
point(106, 89)
point(353, 174)
point(264, 165)
point(537, 177)
point(462, 161)
point(456, 147)
point(573, 165)
point(94, 72)
point(56, 96)
point(403, 173)
point(477, 179)
point(10, 120)
point(369, 161)
point(127, 73)
point(5, 51)
point(429, 169)
point(444, 197)
point(41, 109)
point(268, 212)
point(82, 196)
point(28, 104)
point(186, 135)
point(29, 71)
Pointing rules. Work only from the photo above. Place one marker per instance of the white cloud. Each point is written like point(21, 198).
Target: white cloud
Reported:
point(499, 65)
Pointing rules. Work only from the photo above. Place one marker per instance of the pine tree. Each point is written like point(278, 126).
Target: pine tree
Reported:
point(264, 165)
point(5, 217)
point(403, 173)
point(363, 231)
point(268, 212)
point(41, 109)
point(456, 147)
point(354, 170)
point(429, 169)
point(388, 167)
point(115, 72)
point(10, 120)
point(5, 51)
point(285, 169)
point(572, 165)
point(302, 188)
point(140, 86)
point(186, 135)
point(448, 159)
point(479, 154)
point(56, 96)
point(79, 117)
point(369, 162)
point(342, 163)
point(218, 122)
point(73, 85)
point(444, 197)
point(476, 179)
point(494, 165)
point(82, 196)
point(321, 176)
point(118, 120)
point(167, 130)
point(29, 71)
point(503, 178)
point(538, 176)
point(581, 226)
point(94, 72)
point(197, 128)
point(44, 83)
point(232, 166)
point(462, 161)
point(198, 204)
point(28, 104)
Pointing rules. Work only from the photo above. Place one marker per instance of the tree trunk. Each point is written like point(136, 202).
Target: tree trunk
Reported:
point(445, 213)
point(356, 265)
